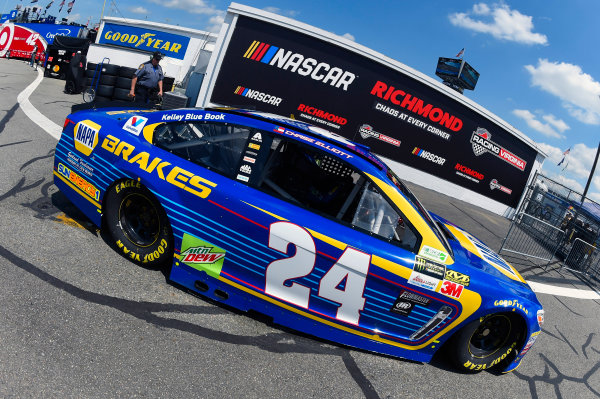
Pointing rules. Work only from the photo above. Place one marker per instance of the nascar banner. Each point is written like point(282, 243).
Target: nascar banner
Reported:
point(270, 68)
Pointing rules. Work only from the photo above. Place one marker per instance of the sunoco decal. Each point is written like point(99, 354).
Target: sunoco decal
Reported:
point(481, 143)
point(202, 255)
point(300, 64)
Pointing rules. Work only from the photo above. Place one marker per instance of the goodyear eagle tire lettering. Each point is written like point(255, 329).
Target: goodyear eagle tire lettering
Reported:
point(486, 343)
point(137, 224)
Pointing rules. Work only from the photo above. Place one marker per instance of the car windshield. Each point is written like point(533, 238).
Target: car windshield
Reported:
point(419, 207)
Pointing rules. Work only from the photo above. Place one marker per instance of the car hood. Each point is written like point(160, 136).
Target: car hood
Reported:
point(473, 257)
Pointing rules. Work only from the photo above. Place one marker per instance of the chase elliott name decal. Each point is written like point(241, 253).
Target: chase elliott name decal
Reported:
point(258, 96)
point(481, 143)
point(298, 63)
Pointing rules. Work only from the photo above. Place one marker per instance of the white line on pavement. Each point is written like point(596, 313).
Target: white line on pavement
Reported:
point(562, 291)
point(32, 113)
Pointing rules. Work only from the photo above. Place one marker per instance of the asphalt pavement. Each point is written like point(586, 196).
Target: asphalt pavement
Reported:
point(79, 321)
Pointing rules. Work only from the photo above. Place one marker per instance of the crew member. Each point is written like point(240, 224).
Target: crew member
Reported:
point(147, 80)
point(33, 55)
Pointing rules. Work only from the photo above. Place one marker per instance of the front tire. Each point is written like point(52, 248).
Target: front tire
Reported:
point(485, 343)
point(137, 224)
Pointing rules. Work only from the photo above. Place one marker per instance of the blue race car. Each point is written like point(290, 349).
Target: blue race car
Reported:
point(277, 216)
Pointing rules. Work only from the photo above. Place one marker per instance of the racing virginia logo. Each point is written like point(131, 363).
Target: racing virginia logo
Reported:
point(495, 185)
point(298, 63)
point(367, 131)
point(482, 143)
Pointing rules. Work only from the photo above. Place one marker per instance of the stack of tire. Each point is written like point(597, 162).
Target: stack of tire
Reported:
point(123, 84)
point(102, 81)
point(114, 82)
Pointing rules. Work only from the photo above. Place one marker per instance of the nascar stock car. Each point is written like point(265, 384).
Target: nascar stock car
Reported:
point(280, 217)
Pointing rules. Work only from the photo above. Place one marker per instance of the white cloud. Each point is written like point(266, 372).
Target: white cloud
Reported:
point(73, 17)
point(559, 124)
point(578, 90)
point(215, 22)
point(501, 22)
point(349, 36)
point(285, 13)
point(547, 129)
point(192, 6)
point(138, 10)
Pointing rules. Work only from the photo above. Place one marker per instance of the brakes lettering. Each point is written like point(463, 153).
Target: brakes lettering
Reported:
point(174, 175)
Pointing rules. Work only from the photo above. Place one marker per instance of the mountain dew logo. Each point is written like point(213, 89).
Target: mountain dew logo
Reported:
point(202, 255)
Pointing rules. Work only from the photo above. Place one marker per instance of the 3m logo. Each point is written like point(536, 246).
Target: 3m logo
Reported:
point(86, 136)
point(298, 63)
point(451, 289)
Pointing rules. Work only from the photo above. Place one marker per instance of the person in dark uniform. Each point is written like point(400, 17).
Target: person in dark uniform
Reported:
point(147, 80)
point(33, 55)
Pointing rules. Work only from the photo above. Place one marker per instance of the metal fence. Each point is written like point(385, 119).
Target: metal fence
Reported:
point(555, 221)
point(532, 237)
point(583, 257)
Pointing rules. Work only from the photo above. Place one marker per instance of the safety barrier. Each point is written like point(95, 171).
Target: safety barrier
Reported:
point(532, 237)
point(583, 258)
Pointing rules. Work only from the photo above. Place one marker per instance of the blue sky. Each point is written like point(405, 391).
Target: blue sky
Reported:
point(538, 59)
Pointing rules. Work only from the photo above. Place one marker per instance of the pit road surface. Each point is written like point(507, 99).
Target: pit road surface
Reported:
point(79, 321)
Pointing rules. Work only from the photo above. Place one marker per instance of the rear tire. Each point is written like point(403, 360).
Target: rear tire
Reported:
point(486, 343)
point(138, 225)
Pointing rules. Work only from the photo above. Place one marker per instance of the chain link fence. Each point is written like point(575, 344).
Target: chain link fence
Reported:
point(554, 221)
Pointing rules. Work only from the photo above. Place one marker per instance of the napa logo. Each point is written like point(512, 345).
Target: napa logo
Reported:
point(298, 63)
point(86, 136)
point(135, 124)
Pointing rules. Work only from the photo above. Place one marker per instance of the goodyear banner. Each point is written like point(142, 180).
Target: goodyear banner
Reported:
point(169, 44)
point(274, 69)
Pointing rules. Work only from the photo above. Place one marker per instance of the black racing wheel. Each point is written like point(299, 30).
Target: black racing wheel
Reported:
point(138, 224)
point(486, 342)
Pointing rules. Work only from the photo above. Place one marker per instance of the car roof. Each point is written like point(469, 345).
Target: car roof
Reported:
point(325, 135)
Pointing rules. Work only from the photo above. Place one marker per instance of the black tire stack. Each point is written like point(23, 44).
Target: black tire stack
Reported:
point(106, 84)
point(123, 83)
point(115, 82)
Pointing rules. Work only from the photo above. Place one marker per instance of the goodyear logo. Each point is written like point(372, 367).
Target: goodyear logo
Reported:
point(298, 63)
point(457, 277)
point(86, 136)
point(171, 45)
